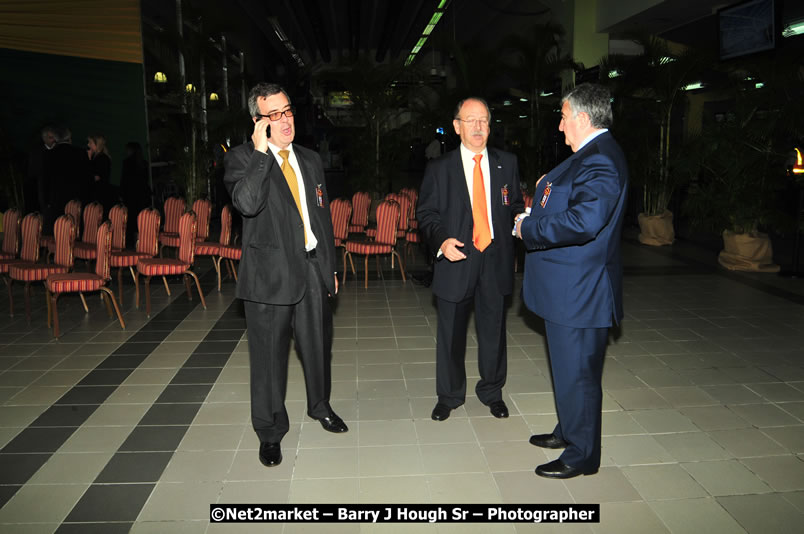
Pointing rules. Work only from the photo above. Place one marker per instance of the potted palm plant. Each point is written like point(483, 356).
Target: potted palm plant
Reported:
point(741, 163)
point(648, 89)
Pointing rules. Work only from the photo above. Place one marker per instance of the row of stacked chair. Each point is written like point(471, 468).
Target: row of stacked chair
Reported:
point(22, 240)
point(396, 219)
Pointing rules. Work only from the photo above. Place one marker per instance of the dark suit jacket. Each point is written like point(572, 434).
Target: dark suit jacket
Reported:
point(272, 269)
point(573, 269)
point(445, 210)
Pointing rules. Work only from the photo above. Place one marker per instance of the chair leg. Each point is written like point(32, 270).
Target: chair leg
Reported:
point(110, 296)
point(365, 270)
point(198, 286)
point(167, 289)
point(148, 296)
point(106, 300)
point(120, 284)
point(55, 308)
point(352, 263)
point(84, 302)
point(216, 261)
point(8, 282)
point(401, 267)
point(233, 268)
point(187, 287)
point(344, 264)
point(47, 298)
point(343, 275)
point(135, 275)
point(28, 302)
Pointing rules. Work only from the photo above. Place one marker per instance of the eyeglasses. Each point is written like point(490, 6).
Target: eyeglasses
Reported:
point(276, 115)
point(482, 122)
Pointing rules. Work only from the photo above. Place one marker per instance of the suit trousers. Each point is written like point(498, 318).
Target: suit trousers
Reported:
point(492, 356)
point(576, 361)
point(269, 332)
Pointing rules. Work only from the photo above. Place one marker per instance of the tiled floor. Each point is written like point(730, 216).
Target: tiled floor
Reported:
point(141, 430)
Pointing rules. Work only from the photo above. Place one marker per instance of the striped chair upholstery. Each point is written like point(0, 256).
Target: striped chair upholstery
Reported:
point(11, 234)
point(86, 249)
point(227, 251)
point(388, 213)
point(86, 282)
point(118, 216)
point(528, 199)
point(341, 211)
point(72, 208)
point(203, 209)
point(149, 267)
point(361, 202)
point(28, 272)
point(413, 195)
point(147, 246)
point(169, 236)
point(404, 206)
point(31, 233)
point(203, 212)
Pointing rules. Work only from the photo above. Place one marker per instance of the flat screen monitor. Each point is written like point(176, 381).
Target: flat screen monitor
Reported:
point(747, 28)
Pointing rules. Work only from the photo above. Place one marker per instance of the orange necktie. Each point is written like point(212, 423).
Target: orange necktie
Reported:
point(293, 184)
point(481, 234)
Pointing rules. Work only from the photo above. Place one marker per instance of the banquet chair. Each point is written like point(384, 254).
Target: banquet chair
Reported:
point(60, 283)
point(64, 234)
point(182, 265)
point(388, 213)
point(31, 227)
point(146, 247)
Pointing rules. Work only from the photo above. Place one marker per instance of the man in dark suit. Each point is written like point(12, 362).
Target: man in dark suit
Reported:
point(469, 198)
point(573, 273)
point(288, 266)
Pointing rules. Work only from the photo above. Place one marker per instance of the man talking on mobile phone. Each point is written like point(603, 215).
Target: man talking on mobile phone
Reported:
point(287, 271)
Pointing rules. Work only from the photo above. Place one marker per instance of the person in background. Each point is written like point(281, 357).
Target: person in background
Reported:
point(34, 189)
point(66, 175)
point(134, 189)
point(101, 164)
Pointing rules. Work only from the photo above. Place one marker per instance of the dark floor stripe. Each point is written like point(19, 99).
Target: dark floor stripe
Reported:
point(146, 452)
point(34, 445)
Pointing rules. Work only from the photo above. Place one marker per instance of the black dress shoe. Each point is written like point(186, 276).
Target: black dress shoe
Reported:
point(498, 409)
point(333, 423)
point(558, 469)
point(440, 412)
point(270, 454)
point(548, 441)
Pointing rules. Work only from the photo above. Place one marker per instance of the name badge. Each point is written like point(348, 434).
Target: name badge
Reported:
point(546, 194)
point(319, 196)
point(504, 191)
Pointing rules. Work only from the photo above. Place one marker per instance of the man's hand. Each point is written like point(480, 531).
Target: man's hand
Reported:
point(260, 136)
point(449, 248)
point(519, 225)
point(336, 283)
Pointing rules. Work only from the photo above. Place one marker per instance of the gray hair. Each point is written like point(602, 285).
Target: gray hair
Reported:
point(592, 99)
point(62, 134)
point(457, 113)
point(263, 90)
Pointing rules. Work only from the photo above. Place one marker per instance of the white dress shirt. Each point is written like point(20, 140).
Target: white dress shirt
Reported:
point(467, 158)
point(308, 229)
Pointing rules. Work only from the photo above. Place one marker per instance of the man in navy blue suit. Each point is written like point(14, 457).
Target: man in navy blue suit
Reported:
point(573, 273)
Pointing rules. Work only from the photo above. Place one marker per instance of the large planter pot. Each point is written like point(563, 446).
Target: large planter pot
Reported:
point(656, 230)
point(747, 252)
